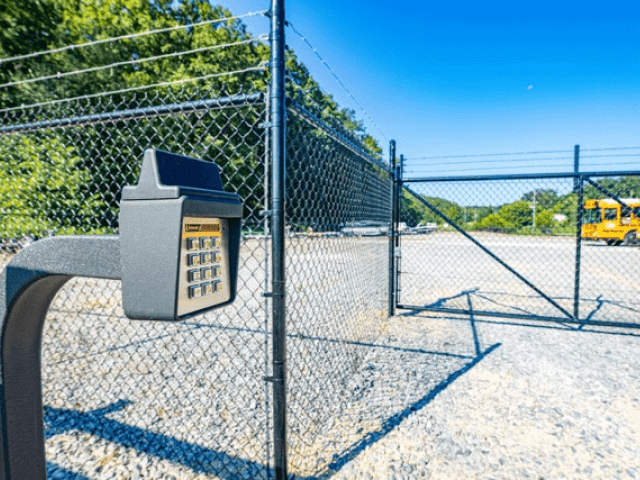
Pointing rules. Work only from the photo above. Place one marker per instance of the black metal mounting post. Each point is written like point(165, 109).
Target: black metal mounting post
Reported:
point(392, 230)
point(28, 284)
point(278, 223)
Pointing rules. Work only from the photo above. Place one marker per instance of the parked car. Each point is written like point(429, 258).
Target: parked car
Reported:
point(422, 229)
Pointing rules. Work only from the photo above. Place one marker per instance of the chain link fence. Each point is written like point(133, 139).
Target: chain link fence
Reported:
point(143, 399)
point(338, 215)
point(509, 246)
point(131, 399)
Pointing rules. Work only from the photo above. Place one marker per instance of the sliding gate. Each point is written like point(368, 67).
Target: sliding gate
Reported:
point(510, 246)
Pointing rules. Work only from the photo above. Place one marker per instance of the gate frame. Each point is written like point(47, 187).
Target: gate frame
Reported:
point(579, 180)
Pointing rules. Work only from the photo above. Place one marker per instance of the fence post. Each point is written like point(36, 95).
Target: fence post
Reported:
point(397, 204)
point(392, 230)
point(278, 224)
point(578, 188)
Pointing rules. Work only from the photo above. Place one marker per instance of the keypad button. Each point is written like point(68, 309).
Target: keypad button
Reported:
point(215, 241)
point(215, 272)
point(205, 242)
point(193, 259)
point(207, 289)
point(195, 291)
point(205, 258)
point(192, 244)
point(194, 275)
point(206, 273)
point(217, 286)
point(216, 256)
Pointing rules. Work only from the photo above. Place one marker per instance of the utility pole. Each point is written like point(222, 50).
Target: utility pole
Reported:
point(534, 209)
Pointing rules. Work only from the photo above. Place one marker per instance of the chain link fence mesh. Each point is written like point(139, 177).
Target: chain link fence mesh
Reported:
point(531, 226)
point(131, 399)
point(338, 214)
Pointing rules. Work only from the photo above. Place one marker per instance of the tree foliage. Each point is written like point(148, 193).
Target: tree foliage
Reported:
point(543, 198)
point(111, 152)
point(555, 213)
point(41, 187)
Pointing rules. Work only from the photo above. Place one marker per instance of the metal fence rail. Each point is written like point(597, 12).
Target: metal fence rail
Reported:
point(511, 246)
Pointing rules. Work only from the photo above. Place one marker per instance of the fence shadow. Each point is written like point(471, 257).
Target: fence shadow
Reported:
point(54, 471)
point(599, 302)
point(202, 460)
point(195, 457)
point(392, 422)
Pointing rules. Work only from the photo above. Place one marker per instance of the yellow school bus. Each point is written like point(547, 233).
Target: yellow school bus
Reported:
point(610, 221)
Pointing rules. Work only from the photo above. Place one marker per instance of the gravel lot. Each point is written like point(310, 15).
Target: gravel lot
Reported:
point(528, 401)
point(415, 396)
point(441, 268)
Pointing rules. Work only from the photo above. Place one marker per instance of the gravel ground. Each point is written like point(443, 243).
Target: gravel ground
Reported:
point(438, 268)
point(530, 401)
point(415, 396)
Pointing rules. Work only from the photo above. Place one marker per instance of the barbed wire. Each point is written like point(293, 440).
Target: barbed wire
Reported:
point(610, 148)
point(127, 62)
point(511, 168)
point(609, 164)
point(480, 162)
point(260, 67)
point(611, 155)
point(129, 36)
point(305, 40)
point(320, 108)
point(527, 160)
point(568, 152)
point(490, 155)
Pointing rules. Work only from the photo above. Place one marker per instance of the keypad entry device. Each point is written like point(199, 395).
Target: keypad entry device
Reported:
point(179, 239)
point(204, 264)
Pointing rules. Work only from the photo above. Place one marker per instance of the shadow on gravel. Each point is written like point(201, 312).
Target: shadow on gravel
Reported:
point(339, 341)
point(392, 422)
point(56, 472)
point(197, 458)
point(224, 466)
point(546, 326)
point(546, 322)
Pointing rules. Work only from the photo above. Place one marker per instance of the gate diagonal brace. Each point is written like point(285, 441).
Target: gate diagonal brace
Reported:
point(609, 193)
point(489, 252)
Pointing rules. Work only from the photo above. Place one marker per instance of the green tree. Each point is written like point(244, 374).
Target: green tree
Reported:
point(544, 219)
point(25, 26)
point(41, 188)
point(623, 187)
point(544, 198)
point(493, 222)
point(80, 21)
point(568, 207)
point(111, 152)
point(412, 211)
point(454, 212)
point(518, 213)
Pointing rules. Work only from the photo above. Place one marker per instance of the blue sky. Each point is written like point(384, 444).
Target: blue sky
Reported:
point(478, 77)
